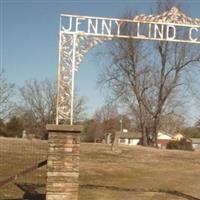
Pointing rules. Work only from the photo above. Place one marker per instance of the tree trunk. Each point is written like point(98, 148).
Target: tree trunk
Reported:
point(144, 137)
point(155, 129)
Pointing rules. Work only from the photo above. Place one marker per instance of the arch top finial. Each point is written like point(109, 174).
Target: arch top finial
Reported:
point(174, 15)
point(174, 9)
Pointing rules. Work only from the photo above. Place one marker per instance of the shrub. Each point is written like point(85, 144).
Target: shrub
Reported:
point(173, 144)
point(183, 144)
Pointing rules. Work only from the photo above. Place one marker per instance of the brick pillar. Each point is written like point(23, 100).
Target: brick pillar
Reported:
point(63, 162)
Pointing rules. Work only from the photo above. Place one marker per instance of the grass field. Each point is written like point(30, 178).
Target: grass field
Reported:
point(133, 173)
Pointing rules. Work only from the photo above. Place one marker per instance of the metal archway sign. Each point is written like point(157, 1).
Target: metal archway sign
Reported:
point(78, 34)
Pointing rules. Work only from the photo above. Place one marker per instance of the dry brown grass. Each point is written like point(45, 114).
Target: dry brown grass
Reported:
point(16, 155)
point(133, 173)
point(139, 169)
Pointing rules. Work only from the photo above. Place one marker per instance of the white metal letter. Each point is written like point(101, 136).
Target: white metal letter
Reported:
point(92, 26)
point(70, 26)
point(159, 32)
point(78, 19)
point(118, 27)
point(190, 34)
point(171, 32)
point(138, 31)
point(149, 30)
point(106, 26)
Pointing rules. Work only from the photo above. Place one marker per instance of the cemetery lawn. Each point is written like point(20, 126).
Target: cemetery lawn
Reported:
point(127, 173)
point(138, 173)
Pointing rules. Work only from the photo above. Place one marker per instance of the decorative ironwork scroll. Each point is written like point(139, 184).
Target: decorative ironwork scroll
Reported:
point(72, 49)
point(174, 16)
point(79, 34)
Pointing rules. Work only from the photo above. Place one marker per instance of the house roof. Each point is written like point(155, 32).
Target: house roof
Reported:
point(164, 133)
point(164, 136)
point(131, 135)
point(137, 135)
point(186, 137)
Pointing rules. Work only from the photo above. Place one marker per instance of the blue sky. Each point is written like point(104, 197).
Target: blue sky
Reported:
point(29, 32)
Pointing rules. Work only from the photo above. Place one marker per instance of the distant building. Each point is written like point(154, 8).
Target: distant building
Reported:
point(129, 138)
point(179, 136)
point(163, 138)
point(196, 143)
point(134, 137)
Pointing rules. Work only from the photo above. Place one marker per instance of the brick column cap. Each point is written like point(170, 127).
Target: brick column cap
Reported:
point(64, 128)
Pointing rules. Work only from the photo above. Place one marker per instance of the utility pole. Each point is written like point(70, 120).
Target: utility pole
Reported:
point(120, 125)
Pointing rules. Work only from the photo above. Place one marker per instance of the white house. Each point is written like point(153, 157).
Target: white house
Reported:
point(163, 138)
point(133, 138)
point(179, 136)
point(129, 138)
point(196, 143)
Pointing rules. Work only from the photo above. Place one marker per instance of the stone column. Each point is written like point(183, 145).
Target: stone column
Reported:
point(63, 162)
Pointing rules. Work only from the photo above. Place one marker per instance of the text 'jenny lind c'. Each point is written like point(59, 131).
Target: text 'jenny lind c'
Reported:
point(116, 27)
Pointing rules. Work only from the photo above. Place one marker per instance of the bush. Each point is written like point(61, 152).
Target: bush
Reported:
point(183, 144)
point(173, 144)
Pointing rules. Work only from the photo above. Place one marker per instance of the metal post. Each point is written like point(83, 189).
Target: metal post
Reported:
point(58, 75)
point(73, 71)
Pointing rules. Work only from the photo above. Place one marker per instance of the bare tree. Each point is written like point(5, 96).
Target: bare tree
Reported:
point(172, 123)
point(106, 112)
point(145, 76)
point(6, 91)
point(109, 118)
point(94, 131)
point(79, 109)
point(38, 106)
point(104, 121)
point(194, 92)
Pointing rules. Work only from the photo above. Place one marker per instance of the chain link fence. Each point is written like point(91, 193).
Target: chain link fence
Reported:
point(22, 168)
